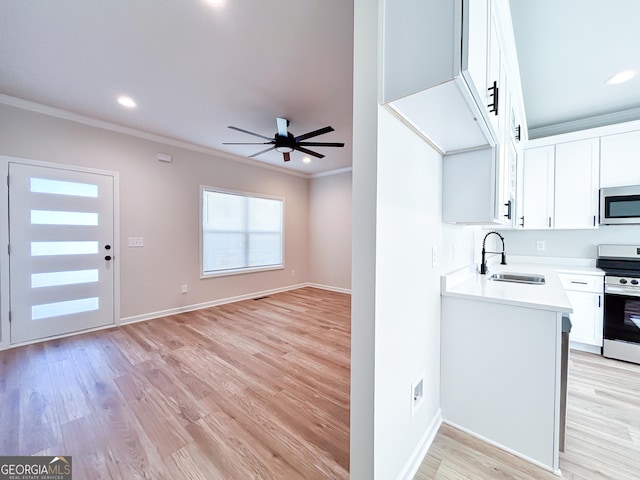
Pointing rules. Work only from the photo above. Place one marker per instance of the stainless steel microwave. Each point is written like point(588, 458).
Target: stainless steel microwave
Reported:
point(620, 205)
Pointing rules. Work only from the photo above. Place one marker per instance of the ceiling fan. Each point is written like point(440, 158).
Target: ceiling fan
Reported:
point(285, 143)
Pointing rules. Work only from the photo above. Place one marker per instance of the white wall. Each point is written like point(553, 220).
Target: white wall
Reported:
point(569, 243)
point(330, 231)
point(160, 202)
point(407, 292)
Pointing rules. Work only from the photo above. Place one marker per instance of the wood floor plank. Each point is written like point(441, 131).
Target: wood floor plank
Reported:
point(603, 416)
point(258, 389)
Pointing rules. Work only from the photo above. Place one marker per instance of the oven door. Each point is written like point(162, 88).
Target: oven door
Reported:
point(621, 315)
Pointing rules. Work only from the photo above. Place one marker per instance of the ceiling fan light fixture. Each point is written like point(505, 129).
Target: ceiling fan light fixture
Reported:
point(306, 160)
point(284, 149)
point(621, 77)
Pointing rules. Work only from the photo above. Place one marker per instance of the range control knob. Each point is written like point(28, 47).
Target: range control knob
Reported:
point(623, 281)
point(634, 282)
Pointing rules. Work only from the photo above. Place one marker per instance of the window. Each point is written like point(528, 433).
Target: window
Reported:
point(240, 232)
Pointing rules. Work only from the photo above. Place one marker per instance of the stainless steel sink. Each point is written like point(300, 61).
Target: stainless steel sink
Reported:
point(528, 278)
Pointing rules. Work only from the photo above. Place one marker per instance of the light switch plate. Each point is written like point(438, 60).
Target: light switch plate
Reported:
point(136, 241)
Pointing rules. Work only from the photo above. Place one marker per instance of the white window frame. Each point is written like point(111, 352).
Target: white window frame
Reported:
point(237, 271)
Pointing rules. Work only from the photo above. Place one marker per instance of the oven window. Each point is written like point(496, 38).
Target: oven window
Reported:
point(623, 206)
point(622, 318)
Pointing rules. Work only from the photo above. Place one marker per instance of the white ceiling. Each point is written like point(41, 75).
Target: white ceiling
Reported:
point(192, 68)
point(567, 49)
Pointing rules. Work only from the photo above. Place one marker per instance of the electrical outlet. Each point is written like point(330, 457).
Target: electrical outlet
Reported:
point(540, 246)
point(136, 241)
point(417, 393)
point(184, 289)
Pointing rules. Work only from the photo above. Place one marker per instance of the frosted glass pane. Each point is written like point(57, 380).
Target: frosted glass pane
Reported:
point(58, 187)
point(223, 251)
point(63, 248)
point(265, 249)
point(49, 217)
point(223, 211)
point(68, 307)
point(72, 277)
point(265, 215)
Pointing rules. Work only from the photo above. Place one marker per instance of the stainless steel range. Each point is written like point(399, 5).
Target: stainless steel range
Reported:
point(621, 264)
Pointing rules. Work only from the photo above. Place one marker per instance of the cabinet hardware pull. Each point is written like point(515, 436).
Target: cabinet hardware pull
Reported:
point(594, 220)
point(508, 205)
point(549, 222)
point(522, 224)
point(518, 133)
point(493, 107)
point(580, 283)
point(598, 301)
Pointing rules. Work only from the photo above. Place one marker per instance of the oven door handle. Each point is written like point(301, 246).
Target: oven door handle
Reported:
point(610, 289)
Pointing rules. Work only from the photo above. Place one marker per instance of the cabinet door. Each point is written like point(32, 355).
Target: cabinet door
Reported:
point(494, 80)
point(586, 319)
point(537, 188)
point(474, 59)
point(620, 160)
point(576, 184)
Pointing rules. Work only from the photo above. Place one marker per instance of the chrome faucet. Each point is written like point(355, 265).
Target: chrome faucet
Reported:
point(483, 266)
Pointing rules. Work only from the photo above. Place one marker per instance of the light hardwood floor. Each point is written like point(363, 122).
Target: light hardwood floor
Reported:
point(260, 389)
point(254, 389)
point(603, 433)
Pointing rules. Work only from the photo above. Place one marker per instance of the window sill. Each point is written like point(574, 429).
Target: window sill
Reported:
point(240, 271)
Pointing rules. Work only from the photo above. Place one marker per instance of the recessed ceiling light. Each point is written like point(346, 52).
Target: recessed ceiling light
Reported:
point(306, 160)
point(126, 101)
point(622, 77)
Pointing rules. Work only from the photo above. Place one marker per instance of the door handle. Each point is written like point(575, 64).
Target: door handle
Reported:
point(508, 205)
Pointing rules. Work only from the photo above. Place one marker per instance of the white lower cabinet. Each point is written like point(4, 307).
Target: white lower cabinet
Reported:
point(585, 293)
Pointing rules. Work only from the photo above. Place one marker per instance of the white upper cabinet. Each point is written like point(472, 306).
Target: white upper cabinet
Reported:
point(620, 159)
point(576, 184)
point(560, 186)
point(438, 68)
point(537, 191)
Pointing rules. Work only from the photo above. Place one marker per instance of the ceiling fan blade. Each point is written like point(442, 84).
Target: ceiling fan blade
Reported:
point(321, 144)
point(315, 133)
point(308, 152)
point(283, 123)
point(261, 152)
point(245, 143)
point(250, 133)
point(286, 156)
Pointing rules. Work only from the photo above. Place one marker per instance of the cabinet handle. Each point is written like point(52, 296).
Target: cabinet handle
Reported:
point(598, 301)
point(522, 224)
point(508, 205)
point(518, 133)
point(594, 220)
point(494, 92)
point(579, 283)
point(549, 222)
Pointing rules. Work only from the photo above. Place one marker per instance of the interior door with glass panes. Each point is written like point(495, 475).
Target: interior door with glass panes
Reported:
point(61, 260)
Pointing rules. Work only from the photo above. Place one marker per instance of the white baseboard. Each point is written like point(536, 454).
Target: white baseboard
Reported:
point(417, 456)
point(213, 303)
point(548, 468)
point(330, 288)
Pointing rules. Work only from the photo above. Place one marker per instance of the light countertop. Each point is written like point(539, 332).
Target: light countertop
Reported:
point(550, 296)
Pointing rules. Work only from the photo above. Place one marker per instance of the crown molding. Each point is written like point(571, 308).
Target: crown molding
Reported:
point(93, 122)
point(337, 171)
point(585, 123)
